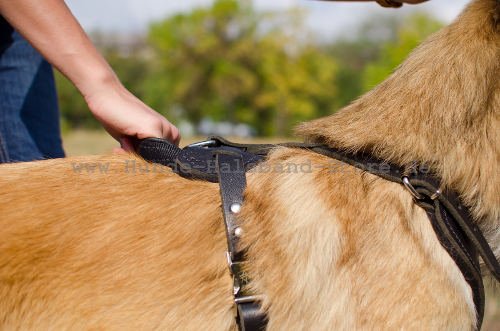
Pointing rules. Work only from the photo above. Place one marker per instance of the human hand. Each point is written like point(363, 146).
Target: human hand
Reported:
point(390, 3)
point(397, 3)
point(125, 117)
point(50, 26)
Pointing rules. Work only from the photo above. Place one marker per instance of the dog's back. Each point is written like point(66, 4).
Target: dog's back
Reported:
point(115, 243)
point(109, 243)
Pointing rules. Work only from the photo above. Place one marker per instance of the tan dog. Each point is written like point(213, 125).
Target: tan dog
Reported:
point(124, 248)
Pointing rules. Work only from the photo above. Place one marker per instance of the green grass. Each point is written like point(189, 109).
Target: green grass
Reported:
point(82, 142)
point(86, 142)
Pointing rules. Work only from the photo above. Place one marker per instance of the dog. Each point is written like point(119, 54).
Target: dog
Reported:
point(115, 243)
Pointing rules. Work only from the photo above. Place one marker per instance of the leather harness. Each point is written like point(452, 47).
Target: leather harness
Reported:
point(220, 161)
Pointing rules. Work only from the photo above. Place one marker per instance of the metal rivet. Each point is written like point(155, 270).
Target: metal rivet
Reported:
point(235, 208)
point(238, 232)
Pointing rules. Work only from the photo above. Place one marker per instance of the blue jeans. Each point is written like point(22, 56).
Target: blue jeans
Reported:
point(29, 114)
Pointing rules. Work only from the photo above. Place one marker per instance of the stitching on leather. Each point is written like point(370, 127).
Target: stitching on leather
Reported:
point(149, 147)
point(445, 218)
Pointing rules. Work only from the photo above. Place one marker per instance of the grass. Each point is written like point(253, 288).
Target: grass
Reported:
point(83, 142)
point(99, 142)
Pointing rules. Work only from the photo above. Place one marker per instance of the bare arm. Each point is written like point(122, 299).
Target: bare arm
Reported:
point(52, 29)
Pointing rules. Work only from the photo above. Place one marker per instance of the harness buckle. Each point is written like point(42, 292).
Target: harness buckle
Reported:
point(230, 263)
point(248, 298)
point(239, 282)
point(411, 189)
point(407, 184)
point(235, 270)
point(205, 143)
point(436, 194)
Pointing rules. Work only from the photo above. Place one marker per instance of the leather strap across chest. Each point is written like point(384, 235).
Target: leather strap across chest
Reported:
point(218, 160)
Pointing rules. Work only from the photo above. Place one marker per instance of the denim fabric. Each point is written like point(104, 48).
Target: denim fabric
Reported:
point(29, 114)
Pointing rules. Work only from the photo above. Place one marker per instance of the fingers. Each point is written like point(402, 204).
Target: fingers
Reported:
point(178, 140)
point(156, 126)
point(173, 134)
point(126, 144)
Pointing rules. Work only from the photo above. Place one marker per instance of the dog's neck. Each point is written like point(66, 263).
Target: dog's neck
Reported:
point(441, 107)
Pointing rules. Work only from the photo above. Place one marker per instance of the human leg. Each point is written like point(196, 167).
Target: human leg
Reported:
point(29, 116)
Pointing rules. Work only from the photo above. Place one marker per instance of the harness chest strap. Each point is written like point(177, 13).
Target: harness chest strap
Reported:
point(451, 221)
point(232, 183)
point(227, 167)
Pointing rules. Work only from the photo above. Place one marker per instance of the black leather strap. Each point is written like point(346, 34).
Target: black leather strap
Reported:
point(257, 149)
point(250, 317)
point(450, 219)
point(227, 164)
point(194, 162)
point(428, 185)
point(158, 150)
point(460, 249)
point(232, 183)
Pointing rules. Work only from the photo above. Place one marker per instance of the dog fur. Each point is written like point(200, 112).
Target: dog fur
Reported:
point(114, 243)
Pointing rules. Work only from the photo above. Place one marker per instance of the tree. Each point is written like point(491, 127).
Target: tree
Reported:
point(410, 33)
point(206, 59)
point(74, 110)
point(229, 62)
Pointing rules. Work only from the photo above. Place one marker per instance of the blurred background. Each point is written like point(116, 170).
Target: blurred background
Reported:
point(250, 70)
point(244, 68)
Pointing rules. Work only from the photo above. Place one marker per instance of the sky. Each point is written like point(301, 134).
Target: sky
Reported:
point(327, 19)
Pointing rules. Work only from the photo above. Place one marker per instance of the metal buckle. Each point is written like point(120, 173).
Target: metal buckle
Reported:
point(237, 286)
point(233, 270)
point(411, 189)
point(230, 262)
point(436, 194)
point(205, 143)
point(248, 298)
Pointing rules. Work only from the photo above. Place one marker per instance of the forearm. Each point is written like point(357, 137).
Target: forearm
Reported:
point(51, 28)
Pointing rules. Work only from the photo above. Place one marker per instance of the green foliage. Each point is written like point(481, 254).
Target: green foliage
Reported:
point(410, 33)
point(352, 57)
point(205, 60)
point(74, 110)
point(228, 62)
